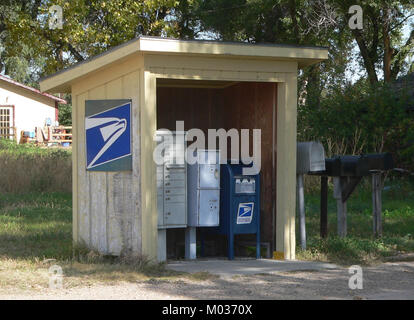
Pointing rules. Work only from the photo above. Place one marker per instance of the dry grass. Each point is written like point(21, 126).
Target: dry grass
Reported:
point(27, 168)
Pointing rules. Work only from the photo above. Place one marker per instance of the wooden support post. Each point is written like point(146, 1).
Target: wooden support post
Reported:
point(377, 204)
point(324, 206)
point(339, 184)
point(301, 200)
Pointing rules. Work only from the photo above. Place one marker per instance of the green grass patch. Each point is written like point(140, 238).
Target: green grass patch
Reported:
point(360, 247)
point(36, 226)
point(36, 232)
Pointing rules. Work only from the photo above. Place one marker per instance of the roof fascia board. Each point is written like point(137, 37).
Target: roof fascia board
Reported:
point(60, 80)
point(232, 49)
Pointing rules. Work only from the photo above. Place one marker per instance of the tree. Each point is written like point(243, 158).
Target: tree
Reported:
point(89, 27)
point(380, 41)
point(303, 22)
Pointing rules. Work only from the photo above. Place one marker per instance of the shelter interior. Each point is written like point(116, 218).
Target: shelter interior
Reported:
point(225, 104)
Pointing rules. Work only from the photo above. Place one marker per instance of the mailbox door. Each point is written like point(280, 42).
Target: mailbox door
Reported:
point(209, 169)
point(209, 208)
point(209, 176)
point(174, 214)
point(160, 195)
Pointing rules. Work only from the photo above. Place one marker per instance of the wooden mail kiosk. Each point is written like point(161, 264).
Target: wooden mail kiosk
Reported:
point(207, 84)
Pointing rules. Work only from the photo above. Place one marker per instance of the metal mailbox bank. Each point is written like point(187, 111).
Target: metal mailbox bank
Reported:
point(203, 196)
point(171, 189)
point(121, 97)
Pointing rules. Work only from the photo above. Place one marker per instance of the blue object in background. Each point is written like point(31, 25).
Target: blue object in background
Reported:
point(239, 205)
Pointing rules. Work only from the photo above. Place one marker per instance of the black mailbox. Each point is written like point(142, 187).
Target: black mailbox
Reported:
point(354, 166)
point(347, 166)
point(333, 167)
point(380, 161)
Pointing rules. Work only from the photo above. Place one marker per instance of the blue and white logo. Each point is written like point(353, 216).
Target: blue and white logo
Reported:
point(245, 213)
point(108, 138)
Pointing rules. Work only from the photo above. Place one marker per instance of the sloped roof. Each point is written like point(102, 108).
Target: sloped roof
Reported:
point(304, 55)
point(36, 91)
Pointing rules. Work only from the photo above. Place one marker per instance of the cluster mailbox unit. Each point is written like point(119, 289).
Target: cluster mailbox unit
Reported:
point(203, 181)
point(171, 189)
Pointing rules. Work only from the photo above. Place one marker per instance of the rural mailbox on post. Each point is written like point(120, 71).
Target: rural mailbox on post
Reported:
point(310, 157)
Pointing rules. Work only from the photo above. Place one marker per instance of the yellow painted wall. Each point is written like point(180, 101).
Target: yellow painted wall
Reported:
point(107, 205)
point(99, 221)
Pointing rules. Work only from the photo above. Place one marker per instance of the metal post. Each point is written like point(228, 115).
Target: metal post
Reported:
point(339, 183)
point(301, 199)
point(377, 204)
point(324, 206)
point(190, 243)
point(162, 245)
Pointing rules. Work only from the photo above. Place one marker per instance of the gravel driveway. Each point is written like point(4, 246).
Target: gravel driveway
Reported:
point(393, 280)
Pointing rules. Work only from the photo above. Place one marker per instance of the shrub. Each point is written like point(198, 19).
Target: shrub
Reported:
point(361, 119)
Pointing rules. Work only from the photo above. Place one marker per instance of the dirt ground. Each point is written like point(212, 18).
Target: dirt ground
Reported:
point(392, 280)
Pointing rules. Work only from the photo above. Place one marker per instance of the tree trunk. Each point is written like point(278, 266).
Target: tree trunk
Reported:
point(387, 44)
point(368, 62)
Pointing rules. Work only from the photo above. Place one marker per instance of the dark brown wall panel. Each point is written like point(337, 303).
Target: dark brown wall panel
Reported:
point(246, 105)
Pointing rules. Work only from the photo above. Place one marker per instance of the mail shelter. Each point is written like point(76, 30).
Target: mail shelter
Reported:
point(208, 84)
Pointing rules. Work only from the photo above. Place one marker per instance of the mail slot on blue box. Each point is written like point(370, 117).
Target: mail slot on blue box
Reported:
point(239, 205)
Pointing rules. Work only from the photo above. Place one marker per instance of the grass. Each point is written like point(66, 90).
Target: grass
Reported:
point(26, 168)
point(360, 247)
point(36, 233)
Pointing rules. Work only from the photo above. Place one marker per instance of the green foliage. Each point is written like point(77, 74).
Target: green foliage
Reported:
point(36, 225)
point(65, 114)
point(89, 28)
point(361, 119)
point(359, 247)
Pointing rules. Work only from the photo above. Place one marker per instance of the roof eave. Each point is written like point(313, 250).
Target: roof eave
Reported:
point(62, 81)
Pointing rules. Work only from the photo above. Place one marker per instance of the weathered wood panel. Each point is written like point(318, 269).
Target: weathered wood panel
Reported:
point(131, 89)
point(97, 193)
point(82, 195)
point(108, 203)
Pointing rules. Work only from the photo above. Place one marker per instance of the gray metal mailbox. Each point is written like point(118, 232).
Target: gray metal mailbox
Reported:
point(203, 181)
point(310, 157)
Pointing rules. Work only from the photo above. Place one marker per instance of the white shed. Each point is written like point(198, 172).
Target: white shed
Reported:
point(23, 108)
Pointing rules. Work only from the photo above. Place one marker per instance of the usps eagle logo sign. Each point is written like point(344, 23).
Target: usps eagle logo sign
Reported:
point(245, 213)
point(108, 135)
